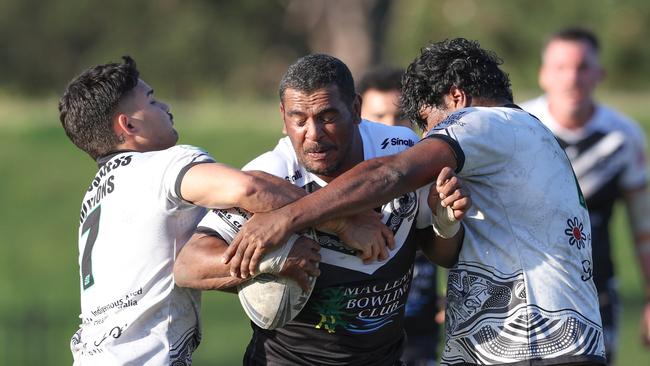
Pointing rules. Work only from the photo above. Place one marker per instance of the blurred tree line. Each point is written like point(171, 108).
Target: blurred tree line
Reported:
point(192, 47)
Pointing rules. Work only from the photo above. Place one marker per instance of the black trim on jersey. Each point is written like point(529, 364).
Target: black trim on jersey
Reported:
point(102, 160)
point(208, 231)
point(455, 146)
point(181, 174)
point(512, 105)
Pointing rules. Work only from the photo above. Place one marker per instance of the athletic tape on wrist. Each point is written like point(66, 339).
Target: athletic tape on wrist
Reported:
point(273, 261)
point(445, 224)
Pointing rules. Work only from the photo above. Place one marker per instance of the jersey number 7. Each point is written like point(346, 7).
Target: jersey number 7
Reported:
point(91, 228)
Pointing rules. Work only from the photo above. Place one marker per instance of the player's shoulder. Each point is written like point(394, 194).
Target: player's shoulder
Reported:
point(169, 162)
point(535, 105)
point(382, 129)
point(178, 152)
point(610, 118)
point(459, 119)
point(281, 162)
point(386, 138)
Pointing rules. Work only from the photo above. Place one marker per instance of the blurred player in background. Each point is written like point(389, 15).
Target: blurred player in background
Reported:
point(380, 89)
point(355, 313)
point(608, 153)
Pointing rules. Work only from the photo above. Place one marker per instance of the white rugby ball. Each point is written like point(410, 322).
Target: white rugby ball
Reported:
point(269, 300)
point(272, 301)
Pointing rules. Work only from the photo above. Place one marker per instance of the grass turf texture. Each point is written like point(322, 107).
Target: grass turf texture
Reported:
point(44, 177)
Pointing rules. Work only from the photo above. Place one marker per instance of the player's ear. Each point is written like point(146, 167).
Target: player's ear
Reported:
point(123, 125)
point(284, 124)
point(356, 109)
point(458, 98)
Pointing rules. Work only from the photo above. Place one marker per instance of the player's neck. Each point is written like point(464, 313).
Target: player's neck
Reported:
point(572, 118)
point(488, 102)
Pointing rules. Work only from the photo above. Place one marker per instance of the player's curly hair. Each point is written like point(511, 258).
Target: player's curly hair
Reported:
point(457, 62)
point(88, 104)
point(316, 71)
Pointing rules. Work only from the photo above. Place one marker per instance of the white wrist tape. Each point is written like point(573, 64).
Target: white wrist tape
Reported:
point(273, 261)
point(445, 224)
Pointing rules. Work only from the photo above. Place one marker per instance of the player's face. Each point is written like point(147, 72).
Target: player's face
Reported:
point(152, 118)
point(435, 115)
point(322, 129)
point(383, 106)
point(569, 74)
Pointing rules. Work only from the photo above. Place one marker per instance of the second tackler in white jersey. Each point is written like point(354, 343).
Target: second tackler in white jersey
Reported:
point(522, 289)
point(133, 223)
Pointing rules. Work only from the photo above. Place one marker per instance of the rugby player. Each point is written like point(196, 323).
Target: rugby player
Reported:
point(607, 150)
point(522, 291)
point(138, 211)
point(380, 90)
point(355, 313)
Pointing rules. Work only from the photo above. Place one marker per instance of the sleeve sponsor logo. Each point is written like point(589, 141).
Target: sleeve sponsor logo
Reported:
point(396, 141)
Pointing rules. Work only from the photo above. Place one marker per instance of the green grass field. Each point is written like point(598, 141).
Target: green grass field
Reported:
point(44, 177)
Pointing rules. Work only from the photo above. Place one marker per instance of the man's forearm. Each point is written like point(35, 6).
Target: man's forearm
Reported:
point(368, 185)
point(285, 194)
point(269, 193)
point(198, 266)
point(371, 184)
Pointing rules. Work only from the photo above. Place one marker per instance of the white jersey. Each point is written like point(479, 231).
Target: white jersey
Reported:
point(608, 157)
point(355, 313)
point(133, 223)
point(522, 289)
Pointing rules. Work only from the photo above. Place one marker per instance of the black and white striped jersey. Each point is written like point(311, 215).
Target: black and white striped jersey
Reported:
point(355, 313)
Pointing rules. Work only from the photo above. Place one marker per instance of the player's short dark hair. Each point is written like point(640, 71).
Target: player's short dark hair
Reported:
point(316, 71)
point(382, 78)
point(88, 104)
point(457, 62)
point(576, 34)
